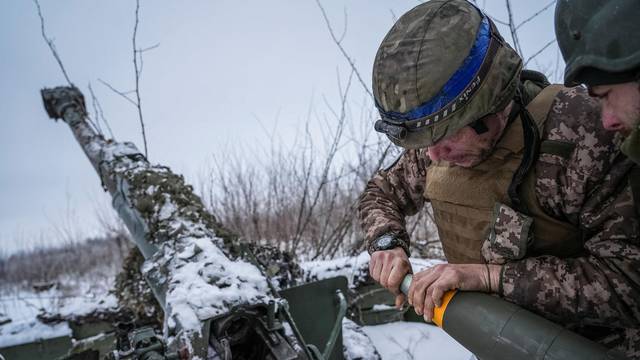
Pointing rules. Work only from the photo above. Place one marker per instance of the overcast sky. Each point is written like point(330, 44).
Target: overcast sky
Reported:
point(223, 71)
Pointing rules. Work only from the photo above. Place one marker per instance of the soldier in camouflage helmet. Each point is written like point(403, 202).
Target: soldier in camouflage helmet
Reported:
point(599, 42)
point(530, 196)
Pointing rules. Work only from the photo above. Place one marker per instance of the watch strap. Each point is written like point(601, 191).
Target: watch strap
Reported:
point(372, 247)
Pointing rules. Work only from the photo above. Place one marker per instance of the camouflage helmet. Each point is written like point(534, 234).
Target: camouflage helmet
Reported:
point(442, 66)
point(598, 40)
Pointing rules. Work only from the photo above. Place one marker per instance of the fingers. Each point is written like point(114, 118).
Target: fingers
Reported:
point(417, 296)
point(434, 296)
point(399, 270)
point(400, 299)
point(375, 267)
point(418, 289)
point(372, 264)
point(437, 294)
point(428, 287)
point(388, 267)
point(429, 302)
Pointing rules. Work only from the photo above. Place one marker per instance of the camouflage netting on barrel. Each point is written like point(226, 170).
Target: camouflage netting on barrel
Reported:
point(195, 268)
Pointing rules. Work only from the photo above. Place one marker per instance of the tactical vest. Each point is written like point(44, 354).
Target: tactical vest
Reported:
point(480, 218)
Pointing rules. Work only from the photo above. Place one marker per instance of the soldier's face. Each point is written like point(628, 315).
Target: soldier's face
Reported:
point(620, 105)
point(466, 148)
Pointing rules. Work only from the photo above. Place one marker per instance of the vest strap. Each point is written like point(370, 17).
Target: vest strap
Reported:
point(533, 118)
point(634, 181)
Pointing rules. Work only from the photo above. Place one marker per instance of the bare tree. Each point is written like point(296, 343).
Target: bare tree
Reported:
point(94, 122)
point(51, 44)
point(304, 198)
point(137, 54)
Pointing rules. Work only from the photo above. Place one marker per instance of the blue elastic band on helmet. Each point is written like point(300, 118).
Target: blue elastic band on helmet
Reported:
point(456, 84)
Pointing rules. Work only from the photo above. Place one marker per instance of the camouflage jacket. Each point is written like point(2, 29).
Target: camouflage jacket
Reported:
point(591, 189)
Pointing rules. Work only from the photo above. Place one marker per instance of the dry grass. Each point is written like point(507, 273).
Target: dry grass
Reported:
point(47, 265)
point(303, 198)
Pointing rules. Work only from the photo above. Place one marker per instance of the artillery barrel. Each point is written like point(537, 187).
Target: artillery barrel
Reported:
point(190, 271)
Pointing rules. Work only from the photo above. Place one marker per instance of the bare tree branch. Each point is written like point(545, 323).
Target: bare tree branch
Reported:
point(123, 94)
point(342, 50)
point(140, 51)
point(539, 51)
point(138, 70)
point(393, 16)
point(95, 109)
point(344, 28)
point(536, 14)
point(149, 48)
point(50, 43)
point(512, 29)
point(496, 20)
point(98, 111)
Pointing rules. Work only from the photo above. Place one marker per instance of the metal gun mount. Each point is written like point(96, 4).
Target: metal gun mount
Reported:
point(217, 304)
point(143, 343)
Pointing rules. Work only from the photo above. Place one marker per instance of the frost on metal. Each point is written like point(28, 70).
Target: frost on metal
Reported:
point(190, 261)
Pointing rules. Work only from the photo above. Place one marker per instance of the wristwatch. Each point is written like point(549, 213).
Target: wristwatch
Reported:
point(386, 242)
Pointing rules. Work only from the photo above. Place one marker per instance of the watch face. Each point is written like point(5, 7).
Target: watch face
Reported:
point(385, 242)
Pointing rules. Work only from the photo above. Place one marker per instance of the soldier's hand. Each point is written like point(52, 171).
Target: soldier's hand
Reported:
point(388, 267)
point(428, 286)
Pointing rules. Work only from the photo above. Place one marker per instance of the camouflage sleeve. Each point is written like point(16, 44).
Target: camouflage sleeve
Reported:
point(391, 195)
point(592, 189)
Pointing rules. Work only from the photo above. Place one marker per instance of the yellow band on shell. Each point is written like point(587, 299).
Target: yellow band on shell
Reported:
point(438, 311)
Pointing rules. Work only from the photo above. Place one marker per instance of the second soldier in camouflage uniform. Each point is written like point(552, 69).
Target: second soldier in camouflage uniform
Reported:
point(594, 37)
point(531, 197)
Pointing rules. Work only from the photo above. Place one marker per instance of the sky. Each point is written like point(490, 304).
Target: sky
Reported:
point(223, 75)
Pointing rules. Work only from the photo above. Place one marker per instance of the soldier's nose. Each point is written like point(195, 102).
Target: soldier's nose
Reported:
point(611, 122)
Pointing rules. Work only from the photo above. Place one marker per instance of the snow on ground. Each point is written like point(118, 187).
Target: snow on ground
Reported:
point(22, 309)
point(351, 267)
point(405, 340)
point(394, 341)
point(357, 345)
point(67, 296)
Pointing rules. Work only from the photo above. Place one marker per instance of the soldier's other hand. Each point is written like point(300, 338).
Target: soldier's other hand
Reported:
point(428, 286)
point(388, 267)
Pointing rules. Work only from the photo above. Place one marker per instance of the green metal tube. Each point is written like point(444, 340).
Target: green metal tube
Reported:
point(337, 327)
point(493, 328)
point(173, 230)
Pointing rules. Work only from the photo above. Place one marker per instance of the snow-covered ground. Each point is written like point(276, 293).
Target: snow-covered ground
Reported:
point(404, 340)
point(395, 341)
point(398, 340)
point(24, 327)
point(20, 309)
